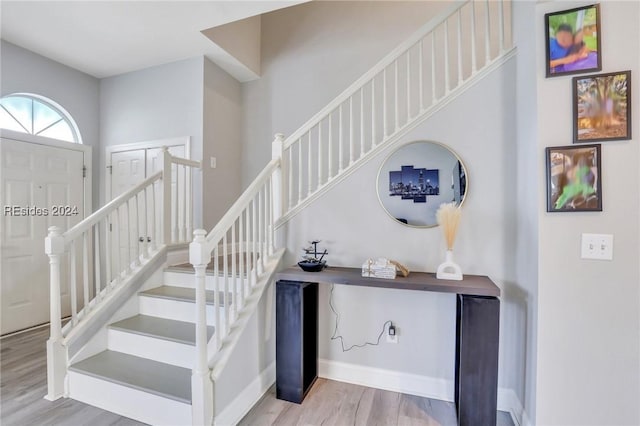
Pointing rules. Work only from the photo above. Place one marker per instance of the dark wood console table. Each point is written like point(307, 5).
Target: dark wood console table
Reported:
point(477, 334)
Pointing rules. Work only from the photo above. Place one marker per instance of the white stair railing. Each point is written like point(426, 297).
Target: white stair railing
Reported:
point(239, 246)
point(406, 85)
point(104, 252)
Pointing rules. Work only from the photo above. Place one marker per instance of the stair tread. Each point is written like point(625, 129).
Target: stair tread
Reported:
point(154, 377)
point(161, 328)
point(184, 294)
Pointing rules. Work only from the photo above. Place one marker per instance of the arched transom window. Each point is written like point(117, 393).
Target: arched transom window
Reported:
point(37, 116)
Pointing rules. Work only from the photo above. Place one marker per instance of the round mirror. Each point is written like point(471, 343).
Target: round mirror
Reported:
point(417, 178)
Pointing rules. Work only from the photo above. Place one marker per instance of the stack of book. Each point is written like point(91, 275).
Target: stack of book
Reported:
point(381, 268)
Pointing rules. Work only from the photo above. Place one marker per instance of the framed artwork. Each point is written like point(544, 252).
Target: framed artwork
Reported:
point(574, 178)
point(573, 41)
point(602, 107)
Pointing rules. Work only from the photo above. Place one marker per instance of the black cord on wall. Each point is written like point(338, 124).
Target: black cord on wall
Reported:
point(335, 335)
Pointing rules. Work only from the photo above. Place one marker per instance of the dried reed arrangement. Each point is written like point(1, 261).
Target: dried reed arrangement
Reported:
point(448, 217)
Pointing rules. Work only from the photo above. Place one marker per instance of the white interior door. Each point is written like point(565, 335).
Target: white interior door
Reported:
point(44, 177)
point(129, 168)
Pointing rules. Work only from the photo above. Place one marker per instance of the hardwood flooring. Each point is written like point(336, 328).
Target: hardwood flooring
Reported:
point(332, 403)
point(23, 384)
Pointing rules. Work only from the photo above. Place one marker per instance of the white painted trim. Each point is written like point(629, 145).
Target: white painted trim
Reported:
point(412, 384)
point(247, 398)
point(72, 146)
point(155, 143)
point(151, 144)
point(395, 381)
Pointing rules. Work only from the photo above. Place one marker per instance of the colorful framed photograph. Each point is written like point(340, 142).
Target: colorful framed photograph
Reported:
point(574, 178)
point(602, 107)
point(573, 41)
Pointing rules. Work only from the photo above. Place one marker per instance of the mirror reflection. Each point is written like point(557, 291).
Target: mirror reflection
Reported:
point(415, 179)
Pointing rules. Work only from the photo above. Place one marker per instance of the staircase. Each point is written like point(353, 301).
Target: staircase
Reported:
point(146, 368)
point(149, 340)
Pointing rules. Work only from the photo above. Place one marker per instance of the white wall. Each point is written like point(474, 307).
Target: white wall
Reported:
point(588, 370)
point(353, 226)
point(155, 103)
point(222, 128)
point(311, 53)
point(77, 92)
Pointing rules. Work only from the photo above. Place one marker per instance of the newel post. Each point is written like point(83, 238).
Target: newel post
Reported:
point(277, 185)
point(201, 383)
point(56, 352)
point(166, 196)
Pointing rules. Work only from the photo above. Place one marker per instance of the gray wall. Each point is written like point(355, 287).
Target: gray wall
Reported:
point(222, 128)
point(353, 227)
point(588, 370)
point(77, 92)
point(526, 198)
point(155, 103)
point(311, 53)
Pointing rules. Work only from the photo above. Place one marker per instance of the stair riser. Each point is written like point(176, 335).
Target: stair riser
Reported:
point(128, 402)
point(183, 279)
point(174, 353)
point(175, 310)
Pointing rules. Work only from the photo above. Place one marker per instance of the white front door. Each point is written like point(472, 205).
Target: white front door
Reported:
point(33, 178)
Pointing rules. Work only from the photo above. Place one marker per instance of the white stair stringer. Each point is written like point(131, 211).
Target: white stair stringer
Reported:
point(398, 134)
point(218, 363)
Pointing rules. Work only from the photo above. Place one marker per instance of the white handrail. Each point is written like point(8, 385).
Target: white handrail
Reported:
point(81, 227)
point(218, 231)
point(185, 162)
point(244, 241)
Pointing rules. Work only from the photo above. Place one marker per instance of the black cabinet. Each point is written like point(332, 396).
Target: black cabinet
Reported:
point(296, 339)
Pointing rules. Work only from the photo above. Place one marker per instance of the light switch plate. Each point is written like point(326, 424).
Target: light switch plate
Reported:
point(597, 246)
point(214, 162)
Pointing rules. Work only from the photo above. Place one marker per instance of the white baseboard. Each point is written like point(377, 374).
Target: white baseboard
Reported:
point(240, 406)
point(413, 384)
point(508, 401)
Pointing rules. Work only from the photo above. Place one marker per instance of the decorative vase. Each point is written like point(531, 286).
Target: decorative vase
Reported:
point(449, 270)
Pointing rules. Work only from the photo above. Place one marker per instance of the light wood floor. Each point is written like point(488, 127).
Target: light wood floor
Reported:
point(332, 403)
point(23, 384)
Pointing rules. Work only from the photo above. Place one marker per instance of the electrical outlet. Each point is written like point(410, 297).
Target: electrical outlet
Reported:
point(597, 246)
point(392, 334)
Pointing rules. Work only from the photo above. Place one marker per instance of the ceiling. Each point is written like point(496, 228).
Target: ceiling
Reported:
point(106, 38)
